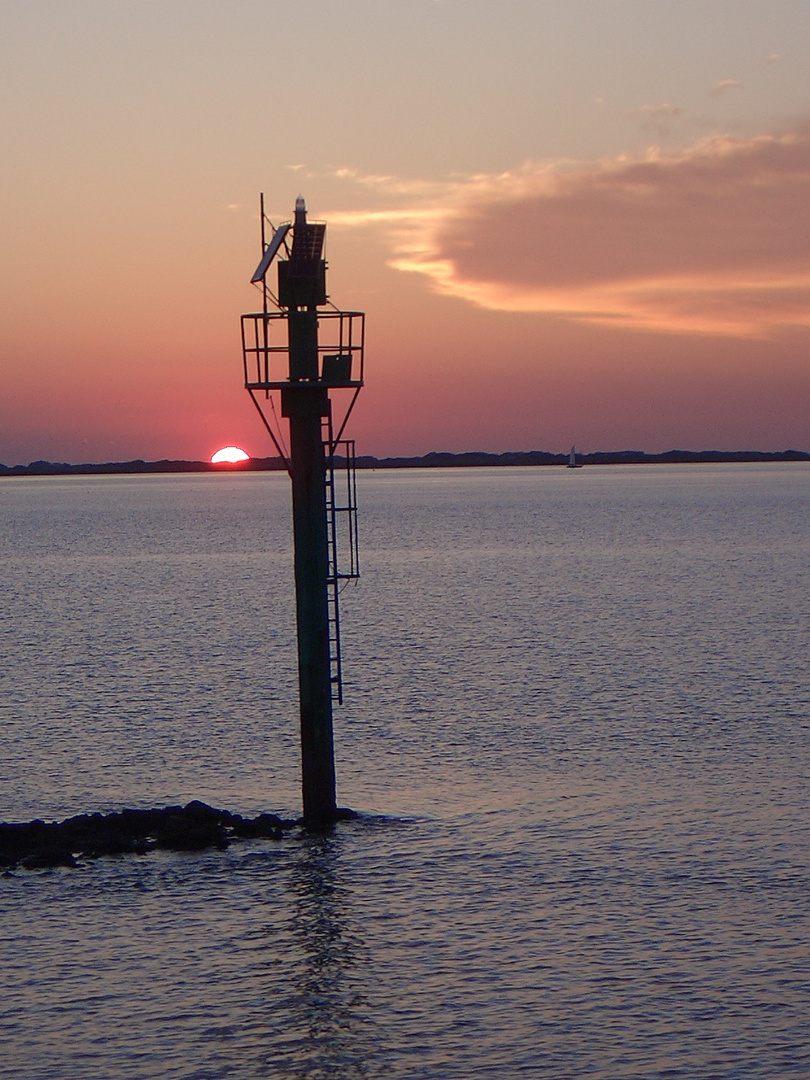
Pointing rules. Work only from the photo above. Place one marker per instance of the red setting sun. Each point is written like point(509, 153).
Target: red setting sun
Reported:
point(230, 454)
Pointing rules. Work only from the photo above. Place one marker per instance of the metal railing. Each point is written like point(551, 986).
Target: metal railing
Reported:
point(265, 348)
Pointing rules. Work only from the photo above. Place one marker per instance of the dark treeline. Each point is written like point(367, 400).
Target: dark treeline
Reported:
point(433, 460)
point(541, 457)
point(63, 468)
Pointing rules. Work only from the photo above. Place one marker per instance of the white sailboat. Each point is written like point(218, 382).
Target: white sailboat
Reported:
point(572, 460)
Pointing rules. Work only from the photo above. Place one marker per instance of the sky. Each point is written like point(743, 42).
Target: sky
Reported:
point(567, 221)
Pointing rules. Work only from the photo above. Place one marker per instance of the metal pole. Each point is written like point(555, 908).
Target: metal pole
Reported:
point(305, 405)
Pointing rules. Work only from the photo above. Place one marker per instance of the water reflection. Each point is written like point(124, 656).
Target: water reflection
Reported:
point(330, 1011)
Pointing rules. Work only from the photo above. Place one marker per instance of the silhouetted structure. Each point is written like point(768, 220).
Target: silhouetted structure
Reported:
point(303, 347)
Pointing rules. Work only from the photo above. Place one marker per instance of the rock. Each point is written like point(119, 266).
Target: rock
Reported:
point(181, 833)
point(47, 859)
point(265, 825)
point(38, 844)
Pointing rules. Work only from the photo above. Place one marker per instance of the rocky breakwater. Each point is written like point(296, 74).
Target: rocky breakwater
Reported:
point(38, 844)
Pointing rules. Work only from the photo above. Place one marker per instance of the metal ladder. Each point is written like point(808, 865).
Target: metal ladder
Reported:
point(341, 538)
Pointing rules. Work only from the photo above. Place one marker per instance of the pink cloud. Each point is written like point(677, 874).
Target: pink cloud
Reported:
point(725, 85)
point(712, 240)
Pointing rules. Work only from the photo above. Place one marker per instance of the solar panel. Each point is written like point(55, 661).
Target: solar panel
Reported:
point(270, 252)
point(308, 241)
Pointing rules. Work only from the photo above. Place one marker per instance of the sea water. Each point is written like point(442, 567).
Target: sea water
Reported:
point(576, 726)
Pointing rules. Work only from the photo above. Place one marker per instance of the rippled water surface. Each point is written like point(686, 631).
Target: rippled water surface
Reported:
point(577, 723)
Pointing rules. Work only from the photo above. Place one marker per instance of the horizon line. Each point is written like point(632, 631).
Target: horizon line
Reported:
point(470, 458)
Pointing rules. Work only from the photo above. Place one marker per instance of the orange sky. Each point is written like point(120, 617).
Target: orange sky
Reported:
point(586, 223)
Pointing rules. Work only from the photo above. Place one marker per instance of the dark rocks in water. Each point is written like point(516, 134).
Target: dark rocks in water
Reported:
point(195, 827)
point(179, 833)
point(47, 859)
point(265, 825)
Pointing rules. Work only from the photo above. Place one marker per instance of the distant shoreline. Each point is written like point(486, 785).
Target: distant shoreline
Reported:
point(427, 461)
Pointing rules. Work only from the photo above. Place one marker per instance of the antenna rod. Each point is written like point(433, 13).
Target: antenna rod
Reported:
point(264, 245)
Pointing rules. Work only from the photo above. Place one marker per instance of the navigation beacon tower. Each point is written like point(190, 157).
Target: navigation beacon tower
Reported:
point(303, 348)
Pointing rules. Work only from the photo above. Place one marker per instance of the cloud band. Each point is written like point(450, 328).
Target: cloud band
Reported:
point(712, 240)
